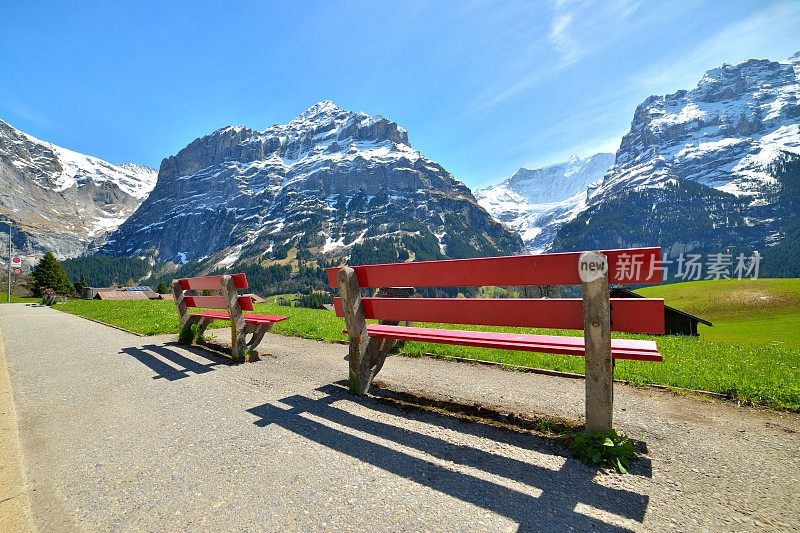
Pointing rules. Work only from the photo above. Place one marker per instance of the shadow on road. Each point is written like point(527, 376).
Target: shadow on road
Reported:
point(564, 491)
point(172, 361)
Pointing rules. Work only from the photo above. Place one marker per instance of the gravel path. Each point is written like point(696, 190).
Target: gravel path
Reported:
point(121, 432)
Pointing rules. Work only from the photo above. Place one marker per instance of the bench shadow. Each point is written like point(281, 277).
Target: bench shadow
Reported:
point(562, 490)
point(170, 364)
point(642, 466)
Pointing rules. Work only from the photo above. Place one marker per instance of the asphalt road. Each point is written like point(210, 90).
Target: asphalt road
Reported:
point(127, 433)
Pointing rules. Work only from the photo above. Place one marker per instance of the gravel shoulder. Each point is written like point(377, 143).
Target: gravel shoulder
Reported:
point(132, 433)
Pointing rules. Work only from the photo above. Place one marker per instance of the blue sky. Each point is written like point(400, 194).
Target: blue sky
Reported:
point(483, 87)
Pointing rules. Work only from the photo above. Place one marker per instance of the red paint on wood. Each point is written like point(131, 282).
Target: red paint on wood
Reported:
point(211, 283)
point(636, 350)
point(542, 269)
point(217, 302)
point(639, 315)
point(255, 319)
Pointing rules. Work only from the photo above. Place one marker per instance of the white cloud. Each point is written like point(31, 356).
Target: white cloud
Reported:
point(762, 35)
point(564, 43)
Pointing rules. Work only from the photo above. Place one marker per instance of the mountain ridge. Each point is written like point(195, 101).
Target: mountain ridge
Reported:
point(536, 202)
point(329, 180)
point(719, 140)
point(61, 200)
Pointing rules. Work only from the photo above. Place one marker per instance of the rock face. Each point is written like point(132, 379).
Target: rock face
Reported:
point(536, 203)
point(698, 169)
point(60, 200)
point(327, 182)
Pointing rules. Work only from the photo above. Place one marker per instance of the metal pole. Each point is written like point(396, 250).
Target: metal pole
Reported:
point(8, 293)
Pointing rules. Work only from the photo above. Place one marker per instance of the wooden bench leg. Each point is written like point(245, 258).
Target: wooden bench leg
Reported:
point(597, 340)
point(187, 336)
point(257, 335)
point(238, 341)
point(361, 373)
point(202, 325)
point(378, 349)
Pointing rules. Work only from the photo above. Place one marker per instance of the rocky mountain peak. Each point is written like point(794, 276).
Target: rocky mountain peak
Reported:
point(536, 202)
point(695, 169)
point(329, 181)
point(325, 121)
point(321, 108)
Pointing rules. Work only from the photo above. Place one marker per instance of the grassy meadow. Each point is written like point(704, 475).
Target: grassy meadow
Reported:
point(750, 311)
point(19, 300)
point(752, 354)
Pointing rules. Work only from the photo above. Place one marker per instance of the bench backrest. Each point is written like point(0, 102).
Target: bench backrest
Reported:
point(214, 283)
point(634, 266)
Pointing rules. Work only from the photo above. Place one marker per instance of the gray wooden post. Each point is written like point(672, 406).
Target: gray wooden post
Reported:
point(238, 338)
point(177, 295)
point(593, 268)
point(360, 376)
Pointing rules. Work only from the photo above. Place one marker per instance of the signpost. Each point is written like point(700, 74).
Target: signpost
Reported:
point(8, 293)
point(17, 271)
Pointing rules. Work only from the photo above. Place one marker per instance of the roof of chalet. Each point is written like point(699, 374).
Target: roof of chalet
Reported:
point(121, 295)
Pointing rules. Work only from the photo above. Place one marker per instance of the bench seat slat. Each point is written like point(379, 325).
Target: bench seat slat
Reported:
point(248, 319)
point(630, 315)
point(637, 350)
point(630, 266)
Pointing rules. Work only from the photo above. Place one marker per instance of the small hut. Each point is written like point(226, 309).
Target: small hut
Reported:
point(676, 322)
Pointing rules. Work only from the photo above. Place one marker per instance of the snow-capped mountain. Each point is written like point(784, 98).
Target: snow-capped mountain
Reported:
point(701, 169)
point(60, 200)
point(535, 203)
point(330, 182)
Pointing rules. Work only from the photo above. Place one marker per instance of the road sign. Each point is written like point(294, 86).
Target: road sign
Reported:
point(16, 261)
point(17, 271)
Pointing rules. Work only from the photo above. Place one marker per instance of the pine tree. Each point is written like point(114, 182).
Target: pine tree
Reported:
point(80, 284)
point(162, 288)
point(49, 273)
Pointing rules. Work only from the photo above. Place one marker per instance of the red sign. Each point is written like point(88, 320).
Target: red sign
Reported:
point(16, 260)
point(17, 271)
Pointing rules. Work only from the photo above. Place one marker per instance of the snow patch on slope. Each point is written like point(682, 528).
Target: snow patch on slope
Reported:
point(77, 169)
point(535, 203)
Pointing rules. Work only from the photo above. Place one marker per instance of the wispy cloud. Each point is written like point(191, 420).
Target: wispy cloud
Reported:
point(24, 112)
point(761, 35)
point(563, 42)
point(572, 35)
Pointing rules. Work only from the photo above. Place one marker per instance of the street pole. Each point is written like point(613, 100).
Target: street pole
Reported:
point(8, 292)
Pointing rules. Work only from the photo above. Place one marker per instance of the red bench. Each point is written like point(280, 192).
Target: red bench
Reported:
point(234, 304)
point(595, 312)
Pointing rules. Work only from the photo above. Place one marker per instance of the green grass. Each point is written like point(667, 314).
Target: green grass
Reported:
point(749, 369)
point(761, 311)
point(146, 317)
point(20, 300)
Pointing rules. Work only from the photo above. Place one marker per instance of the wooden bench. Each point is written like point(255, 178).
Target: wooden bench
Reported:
point(595, 313)
point(228, 299)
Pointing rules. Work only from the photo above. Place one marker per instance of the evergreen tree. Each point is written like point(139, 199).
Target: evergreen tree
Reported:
point(80, 284)
point(49, 273)
point(162, 288)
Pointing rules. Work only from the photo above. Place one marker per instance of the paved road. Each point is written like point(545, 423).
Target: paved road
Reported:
point(121, 432)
